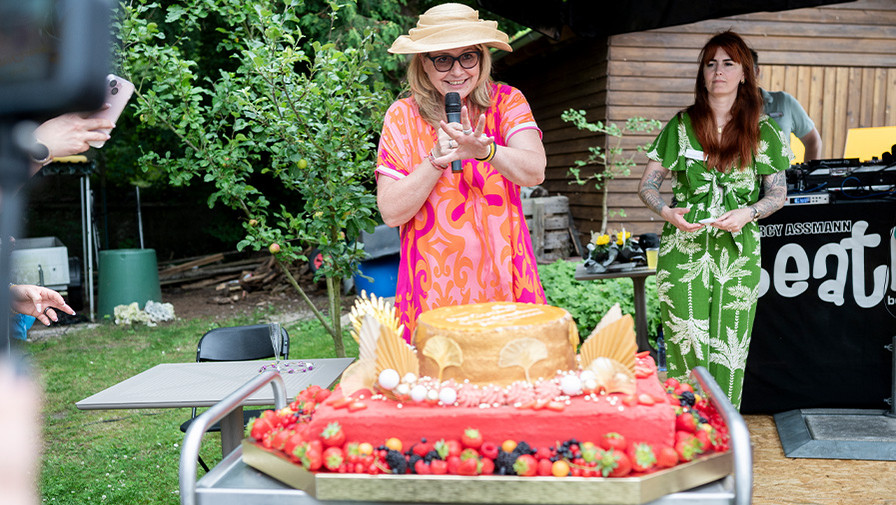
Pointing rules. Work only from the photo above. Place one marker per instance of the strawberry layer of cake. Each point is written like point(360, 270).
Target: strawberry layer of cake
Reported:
point(541, 415)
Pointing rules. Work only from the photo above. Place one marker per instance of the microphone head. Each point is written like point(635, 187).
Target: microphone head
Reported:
point(452, 102)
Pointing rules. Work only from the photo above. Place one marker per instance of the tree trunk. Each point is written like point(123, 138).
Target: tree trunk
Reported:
point(334, 294)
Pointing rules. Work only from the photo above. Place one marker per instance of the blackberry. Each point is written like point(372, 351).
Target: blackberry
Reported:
point(431, 455)
point(412, 462)
point(688, 397)
point(523, 448)
point(396, 462)
point(504, 463)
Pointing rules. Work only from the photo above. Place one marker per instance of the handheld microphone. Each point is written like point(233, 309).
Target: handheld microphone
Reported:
point(452, 110)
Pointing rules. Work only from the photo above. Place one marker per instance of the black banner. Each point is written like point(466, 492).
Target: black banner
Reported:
point(827, 309)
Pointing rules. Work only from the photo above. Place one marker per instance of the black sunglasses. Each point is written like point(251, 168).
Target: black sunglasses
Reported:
point(444, 62)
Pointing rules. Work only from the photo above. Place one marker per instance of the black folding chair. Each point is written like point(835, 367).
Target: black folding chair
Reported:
point(237, 343)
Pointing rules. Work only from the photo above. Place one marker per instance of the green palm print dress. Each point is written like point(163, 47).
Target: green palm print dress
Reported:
point(708, 280)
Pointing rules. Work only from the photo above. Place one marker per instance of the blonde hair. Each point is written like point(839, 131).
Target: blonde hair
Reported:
point(430, 101)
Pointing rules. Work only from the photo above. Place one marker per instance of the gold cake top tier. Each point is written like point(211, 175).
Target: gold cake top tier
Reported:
point(496, 343)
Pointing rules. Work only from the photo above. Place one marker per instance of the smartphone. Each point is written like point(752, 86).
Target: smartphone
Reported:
point(118, 92)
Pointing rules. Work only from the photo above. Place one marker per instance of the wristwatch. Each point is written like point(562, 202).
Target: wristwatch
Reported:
point(754, 214)
point(40, 153)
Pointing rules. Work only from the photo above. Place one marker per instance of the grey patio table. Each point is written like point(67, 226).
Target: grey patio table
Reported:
point(187, 385)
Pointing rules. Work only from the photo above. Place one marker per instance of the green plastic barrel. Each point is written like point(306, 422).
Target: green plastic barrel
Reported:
point(127, 276)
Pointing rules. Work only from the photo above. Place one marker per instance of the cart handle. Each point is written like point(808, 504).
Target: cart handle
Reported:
point(189, 453)
point(738, 432)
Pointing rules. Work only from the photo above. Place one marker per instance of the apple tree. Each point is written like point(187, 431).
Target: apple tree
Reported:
point(285, 135)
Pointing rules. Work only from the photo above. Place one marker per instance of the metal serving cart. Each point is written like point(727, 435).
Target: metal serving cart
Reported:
point(232, 482)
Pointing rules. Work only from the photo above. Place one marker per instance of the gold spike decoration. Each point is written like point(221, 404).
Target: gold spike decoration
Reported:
point(380, 308)
point(614, 337)
point(522, 352)
point(445, 352)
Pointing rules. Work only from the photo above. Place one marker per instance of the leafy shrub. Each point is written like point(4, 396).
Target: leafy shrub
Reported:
point(588, 301)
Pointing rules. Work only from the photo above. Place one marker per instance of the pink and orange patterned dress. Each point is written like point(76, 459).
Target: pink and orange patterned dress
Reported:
point(469, 243)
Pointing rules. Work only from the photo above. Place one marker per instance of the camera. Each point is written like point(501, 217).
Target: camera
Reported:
point(54, 56)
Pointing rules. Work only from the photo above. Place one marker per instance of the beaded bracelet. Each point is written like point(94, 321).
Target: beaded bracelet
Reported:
point(492, 149)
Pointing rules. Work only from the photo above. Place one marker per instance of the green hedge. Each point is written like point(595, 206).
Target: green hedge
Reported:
point(588, 301)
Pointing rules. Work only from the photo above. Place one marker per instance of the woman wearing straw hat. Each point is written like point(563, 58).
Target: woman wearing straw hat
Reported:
point(463, 235)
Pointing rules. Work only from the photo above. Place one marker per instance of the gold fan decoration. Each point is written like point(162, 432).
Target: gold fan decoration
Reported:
point(522, 352)
point(612, 376)
point(380, 343)
point(445, 352)
point(614, 338)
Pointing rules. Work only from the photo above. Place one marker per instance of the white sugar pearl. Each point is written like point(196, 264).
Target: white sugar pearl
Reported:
point(570, 385)
point(448, 396)
point(402, 389)
point(388, 379)
point(587, 375)
point(409, 378)
point(418, 393)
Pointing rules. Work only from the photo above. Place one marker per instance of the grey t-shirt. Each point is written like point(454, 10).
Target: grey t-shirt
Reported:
point(787, 112)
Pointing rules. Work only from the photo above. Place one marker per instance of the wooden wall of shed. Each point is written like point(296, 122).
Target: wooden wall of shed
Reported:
point(839, 61)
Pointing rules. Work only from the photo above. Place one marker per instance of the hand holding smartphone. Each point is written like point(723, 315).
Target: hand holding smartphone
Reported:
point(118, 92)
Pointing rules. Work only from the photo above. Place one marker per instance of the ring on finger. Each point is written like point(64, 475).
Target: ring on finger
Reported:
point(468, 131)
point(452, 144)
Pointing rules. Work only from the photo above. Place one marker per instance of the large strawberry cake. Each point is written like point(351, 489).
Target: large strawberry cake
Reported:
point(495, 372)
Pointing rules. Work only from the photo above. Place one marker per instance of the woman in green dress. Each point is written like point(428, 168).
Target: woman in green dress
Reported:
point(719, 150)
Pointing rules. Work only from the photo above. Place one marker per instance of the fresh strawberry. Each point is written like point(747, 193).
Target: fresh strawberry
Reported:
point(260, 427)
point(703, 437)
point(645, 399)
point(543, 453)
point(340, 402)
point(469, 453)
point(684, 386)
point(333, 458)
point(487, 466)
point(309, 456)
point(471, 438)
point(468, 467)
point(686, 421)
point(666, 456)
point(356, 406)
point(453, 464)
point(421, 468)
point(623, 465)
point(438, 467)
point(642, 456)
point(525, 465)
point(280, 438)
point(670, 384)
point(590, 453)
point(447, 448)
point(292, 442)
point(688, 449)
point(421, 449)
point(489, 450)
point(613, 463)
point(333, 435)
point(321, 395)
point(613, 440)
point(544, 467)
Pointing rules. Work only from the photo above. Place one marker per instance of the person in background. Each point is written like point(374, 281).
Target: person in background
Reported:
point(38, 302)
point(790, 116)
point(463, 235)
point(718, 151)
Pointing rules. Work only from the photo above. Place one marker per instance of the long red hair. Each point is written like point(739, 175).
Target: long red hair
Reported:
point(740, 138)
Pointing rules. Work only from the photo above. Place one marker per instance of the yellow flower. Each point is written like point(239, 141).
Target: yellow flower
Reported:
point(602, 240)
point(622, 237)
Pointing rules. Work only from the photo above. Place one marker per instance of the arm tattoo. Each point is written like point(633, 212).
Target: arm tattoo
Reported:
point(775, 189)
point(650, 190)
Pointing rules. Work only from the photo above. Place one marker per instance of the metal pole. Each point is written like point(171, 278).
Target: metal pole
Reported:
point(892, 412)
point(89, 231)
point(139, 217)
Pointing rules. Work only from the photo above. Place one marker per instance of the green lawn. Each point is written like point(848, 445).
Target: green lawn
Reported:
point(127, 456)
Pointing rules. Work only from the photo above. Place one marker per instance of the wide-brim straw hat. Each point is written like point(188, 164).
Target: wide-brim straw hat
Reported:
point(449, 26)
